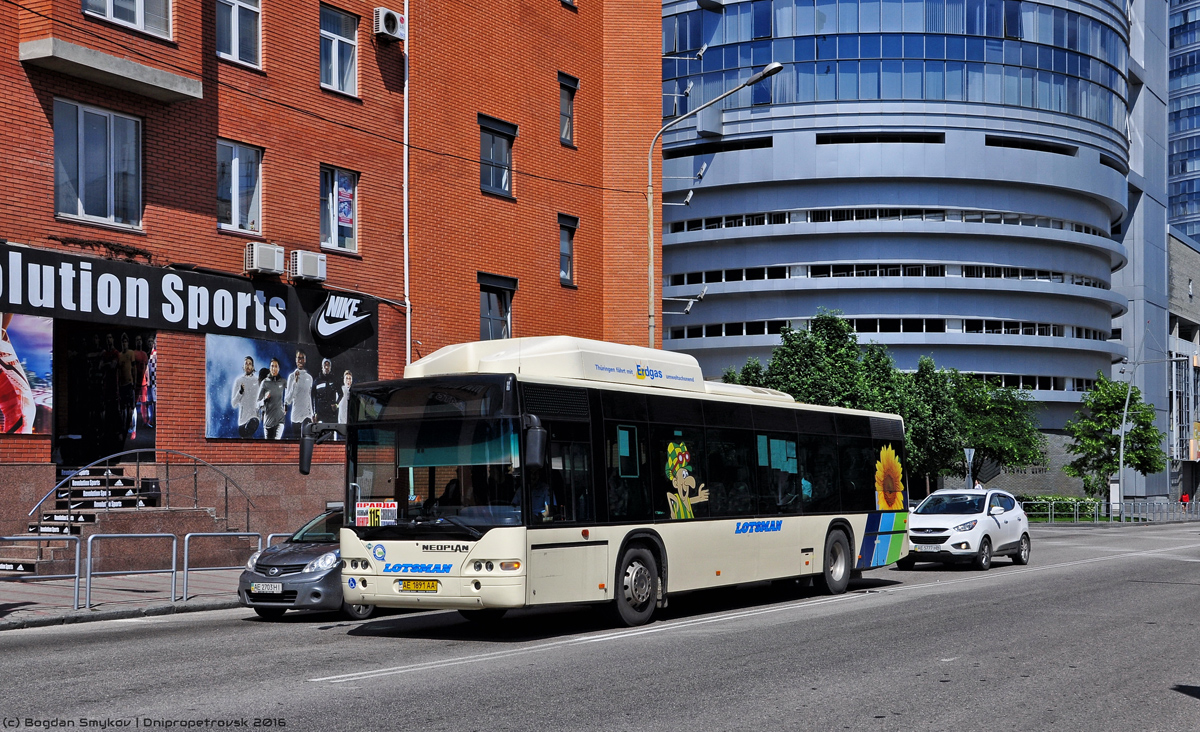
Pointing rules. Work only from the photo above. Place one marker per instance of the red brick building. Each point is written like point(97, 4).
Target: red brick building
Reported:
point(148, 143)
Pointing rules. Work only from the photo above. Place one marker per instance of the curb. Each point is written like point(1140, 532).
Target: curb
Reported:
point(86, 616)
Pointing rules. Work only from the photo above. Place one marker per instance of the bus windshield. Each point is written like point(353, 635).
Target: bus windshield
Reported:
point(452, 475)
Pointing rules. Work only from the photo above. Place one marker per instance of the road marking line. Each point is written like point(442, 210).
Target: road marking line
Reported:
point(685, 624)
point(580, 640)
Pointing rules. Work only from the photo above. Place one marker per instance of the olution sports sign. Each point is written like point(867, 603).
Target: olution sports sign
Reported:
point(62, 285)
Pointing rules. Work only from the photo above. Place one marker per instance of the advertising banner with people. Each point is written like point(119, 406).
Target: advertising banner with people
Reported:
point(26, 381)
point(260, 389)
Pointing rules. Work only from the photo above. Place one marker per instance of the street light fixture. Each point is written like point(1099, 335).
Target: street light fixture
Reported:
point(771, 69)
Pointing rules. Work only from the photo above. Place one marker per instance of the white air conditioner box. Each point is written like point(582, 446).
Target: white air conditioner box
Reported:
point(264, 258)
point(307, 266)
point(390, 25)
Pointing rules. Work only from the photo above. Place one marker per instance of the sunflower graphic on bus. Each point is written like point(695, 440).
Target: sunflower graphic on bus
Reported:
point(679, 472)
point(889, 483)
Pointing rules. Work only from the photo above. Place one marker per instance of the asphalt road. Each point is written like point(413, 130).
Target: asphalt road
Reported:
point(1099, 632)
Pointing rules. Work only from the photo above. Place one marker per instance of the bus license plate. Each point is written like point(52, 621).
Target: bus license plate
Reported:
point(267, 588)
point(418, 585)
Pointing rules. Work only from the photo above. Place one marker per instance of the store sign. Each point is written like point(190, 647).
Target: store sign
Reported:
point(341, 315)
point(60, 285)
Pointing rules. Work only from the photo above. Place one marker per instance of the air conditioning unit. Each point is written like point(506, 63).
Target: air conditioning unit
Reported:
point(390, 25)
point(264, 258)
point(307, 266)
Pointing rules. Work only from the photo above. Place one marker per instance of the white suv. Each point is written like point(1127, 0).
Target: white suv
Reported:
point(967, 525)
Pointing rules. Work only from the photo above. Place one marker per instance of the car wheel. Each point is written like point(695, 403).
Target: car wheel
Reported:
point(1022, 555)
point(357, 612)
point(983, 560)
point(906, 563)
point(637, 586)
point(270, 613)
point(484, 616)
point(836, 575)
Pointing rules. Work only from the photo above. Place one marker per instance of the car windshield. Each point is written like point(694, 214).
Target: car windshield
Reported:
point(323, 528)
point(954, 504)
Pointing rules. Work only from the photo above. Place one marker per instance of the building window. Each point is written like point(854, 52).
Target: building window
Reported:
point(239, 187)
point(97, 164)
point(339, 209)
point(237, 30)
point(566, 248)
point(567, 86)
point(495, 306)
point(495, 155)
point(151, 16)
point(339, 45)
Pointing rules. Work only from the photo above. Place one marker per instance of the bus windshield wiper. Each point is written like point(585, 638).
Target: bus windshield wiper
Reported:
point(462, 525)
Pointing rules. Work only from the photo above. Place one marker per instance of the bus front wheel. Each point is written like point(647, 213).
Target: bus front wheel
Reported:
point(836, 575)
point(637, 586)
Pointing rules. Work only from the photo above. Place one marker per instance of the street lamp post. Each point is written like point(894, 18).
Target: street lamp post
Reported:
point(1125, 417)
point(771, 69)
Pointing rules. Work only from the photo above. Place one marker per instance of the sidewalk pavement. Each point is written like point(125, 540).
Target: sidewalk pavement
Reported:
point(36, 603)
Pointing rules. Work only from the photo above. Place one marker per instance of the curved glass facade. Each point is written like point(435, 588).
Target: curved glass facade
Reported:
point(979, 232)
point(1004, 52)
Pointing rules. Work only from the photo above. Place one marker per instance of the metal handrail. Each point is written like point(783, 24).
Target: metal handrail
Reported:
point(174, 547)
point(187, 540)
point(272, 537)
point(103, 462)
point(75, 539)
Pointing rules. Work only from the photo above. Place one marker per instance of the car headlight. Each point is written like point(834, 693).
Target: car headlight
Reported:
point(252, 560)
point(966, 527)
point(328, 560)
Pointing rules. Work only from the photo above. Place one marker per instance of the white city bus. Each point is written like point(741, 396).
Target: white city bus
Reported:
point(536, 471)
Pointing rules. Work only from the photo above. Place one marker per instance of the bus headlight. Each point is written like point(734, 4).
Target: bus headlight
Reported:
point(510, 566)
point(253, 560)
point(326, 561)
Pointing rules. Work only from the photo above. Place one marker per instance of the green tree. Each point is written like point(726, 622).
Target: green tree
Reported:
point(999, 422)
point(752, 374)
point(1095, 436)
point(933, 423)
point(819, 365)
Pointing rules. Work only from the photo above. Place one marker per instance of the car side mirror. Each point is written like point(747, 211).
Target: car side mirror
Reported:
point(996, 510)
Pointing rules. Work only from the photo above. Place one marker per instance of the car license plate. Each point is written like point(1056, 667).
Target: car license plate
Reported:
point(267, 588)
point(418, 585)
point(926, 547)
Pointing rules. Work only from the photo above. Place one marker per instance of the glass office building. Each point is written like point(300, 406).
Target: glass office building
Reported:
point(1184, 117)
point(978, 180)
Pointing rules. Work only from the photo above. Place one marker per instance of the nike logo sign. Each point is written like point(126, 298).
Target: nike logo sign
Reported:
point(326, 329)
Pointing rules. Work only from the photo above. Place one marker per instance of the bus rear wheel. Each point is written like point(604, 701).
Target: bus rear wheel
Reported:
point(637, 586)
point(836, 575)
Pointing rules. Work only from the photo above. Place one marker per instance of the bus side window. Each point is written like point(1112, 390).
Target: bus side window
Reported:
point(678, 471)
point(856, 462)
point(782, 481)
point(818, 456)
point(730, 477)
point(626, 472)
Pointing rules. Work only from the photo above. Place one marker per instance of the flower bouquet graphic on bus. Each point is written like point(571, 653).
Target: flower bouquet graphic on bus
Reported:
point(889, 483)
point(680, 473)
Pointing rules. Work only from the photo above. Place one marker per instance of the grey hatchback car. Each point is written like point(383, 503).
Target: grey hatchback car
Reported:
point(302, 573)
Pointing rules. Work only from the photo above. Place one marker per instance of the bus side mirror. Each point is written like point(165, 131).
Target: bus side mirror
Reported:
point(307, 442)
point(535, 441)
point(312, 434)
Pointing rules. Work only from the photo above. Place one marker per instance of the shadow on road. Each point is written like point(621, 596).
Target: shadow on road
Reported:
point(1192, 691)
point(534, 624)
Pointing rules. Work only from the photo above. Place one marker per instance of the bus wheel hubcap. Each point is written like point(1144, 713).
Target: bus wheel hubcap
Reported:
point(637, 584)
